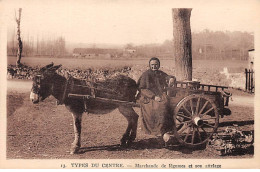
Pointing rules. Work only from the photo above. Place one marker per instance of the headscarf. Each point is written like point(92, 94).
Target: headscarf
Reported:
point(154, 58)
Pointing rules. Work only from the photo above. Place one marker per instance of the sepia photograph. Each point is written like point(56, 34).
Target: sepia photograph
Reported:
point(143, 84)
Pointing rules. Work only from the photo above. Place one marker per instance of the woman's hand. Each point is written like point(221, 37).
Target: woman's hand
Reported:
point(171, 82)
point(157, 98)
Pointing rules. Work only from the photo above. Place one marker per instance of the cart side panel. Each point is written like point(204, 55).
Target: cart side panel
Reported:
point(177, 94)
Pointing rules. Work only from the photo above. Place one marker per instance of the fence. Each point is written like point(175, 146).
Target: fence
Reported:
point(250, 81)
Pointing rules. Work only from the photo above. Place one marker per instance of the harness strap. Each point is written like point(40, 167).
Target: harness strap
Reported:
point(67, 84)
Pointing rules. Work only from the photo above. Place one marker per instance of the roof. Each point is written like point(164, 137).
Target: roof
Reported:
point(94, 51)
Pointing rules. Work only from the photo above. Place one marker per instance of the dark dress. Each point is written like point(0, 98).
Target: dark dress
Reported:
point(156, 116)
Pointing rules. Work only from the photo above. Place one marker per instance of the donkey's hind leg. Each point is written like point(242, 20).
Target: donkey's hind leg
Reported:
point(77, 118)
point(132, 119)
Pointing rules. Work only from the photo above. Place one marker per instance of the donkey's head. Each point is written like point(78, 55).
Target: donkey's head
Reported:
point(43, 83)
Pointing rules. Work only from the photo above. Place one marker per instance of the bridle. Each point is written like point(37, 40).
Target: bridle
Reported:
point(37, 84)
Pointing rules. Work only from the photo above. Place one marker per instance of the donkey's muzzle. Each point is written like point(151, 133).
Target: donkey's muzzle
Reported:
point(34, 97)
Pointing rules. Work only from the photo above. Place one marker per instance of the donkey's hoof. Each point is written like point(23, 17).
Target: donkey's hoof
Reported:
point(129, 143)
point(123, 145)
point(74, 150)
point(126, 144)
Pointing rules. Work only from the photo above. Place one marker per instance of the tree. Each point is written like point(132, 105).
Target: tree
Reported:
point(182, 43)
point(20, 43)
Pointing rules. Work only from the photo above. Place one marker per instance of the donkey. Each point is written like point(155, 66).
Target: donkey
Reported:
point(48, 82)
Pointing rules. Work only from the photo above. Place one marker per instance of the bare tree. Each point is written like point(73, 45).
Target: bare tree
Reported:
point(182, 43)
point(20, 43)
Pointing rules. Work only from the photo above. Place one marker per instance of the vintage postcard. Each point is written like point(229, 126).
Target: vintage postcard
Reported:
point(129, 84)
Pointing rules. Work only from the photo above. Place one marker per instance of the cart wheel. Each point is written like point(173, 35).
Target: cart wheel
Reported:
point(196, 118)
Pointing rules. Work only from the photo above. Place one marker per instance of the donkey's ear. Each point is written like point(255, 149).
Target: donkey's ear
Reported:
point(54, 68)
point(49, 65)
point(46, 67)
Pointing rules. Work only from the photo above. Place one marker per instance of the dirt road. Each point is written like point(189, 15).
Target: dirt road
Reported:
point(45, 131)
point(25, 86)
point(19, 85)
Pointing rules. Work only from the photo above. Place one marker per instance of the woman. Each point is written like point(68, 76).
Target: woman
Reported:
point(156, 117)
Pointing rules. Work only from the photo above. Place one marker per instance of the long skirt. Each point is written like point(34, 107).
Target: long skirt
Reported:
point(156, 116)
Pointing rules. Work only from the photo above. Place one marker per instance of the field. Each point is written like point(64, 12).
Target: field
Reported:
point(87, 63)
point(45, 131)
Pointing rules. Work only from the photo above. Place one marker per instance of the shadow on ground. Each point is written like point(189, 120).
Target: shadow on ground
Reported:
point(158, 143)
point(151, 143)
point(239, 123)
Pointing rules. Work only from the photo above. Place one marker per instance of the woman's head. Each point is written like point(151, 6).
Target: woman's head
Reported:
point(154, 63)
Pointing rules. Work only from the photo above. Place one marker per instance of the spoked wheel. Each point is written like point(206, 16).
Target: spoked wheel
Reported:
point(196, 118)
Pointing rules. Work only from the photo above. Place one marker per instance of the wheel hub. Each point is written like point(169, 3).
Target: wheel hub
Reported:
point(197, 121)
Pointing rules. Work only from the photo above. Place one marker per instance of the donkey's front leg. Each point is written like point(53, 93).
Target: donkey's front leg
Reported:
point(132, 119)
point(77, 118)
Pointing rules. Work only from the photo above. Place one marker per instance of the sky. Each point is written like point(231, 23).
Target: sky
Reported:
point(125, 21)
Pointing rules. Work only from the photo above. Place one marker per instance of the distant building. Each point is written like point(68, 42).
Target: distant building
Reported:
point(129, 52)
point(95, 53)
